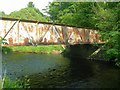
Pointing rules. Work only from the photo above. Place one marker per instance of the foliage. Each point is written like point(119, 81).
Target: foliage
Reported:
point(29, 14)
point(2, 13)
point(0, 40)
point(6, 50)
point(8, 83)
point(71, 13)
point(106, 18)
point(30, 4)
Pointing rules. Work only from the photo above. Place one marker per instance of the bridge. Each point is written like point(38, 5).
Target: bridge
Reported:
point(26, 32)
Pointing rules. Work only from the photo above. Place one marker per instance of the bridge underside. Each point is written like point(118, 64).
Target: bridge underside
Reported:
point(21, 32)
point(84, 51)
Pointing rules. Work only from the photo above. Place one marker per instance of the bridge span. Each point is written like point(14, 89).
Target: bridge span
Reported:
point(25, 32)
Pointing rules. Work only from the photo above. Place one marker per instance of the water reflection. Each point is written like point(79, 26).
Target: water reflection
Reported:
point(58, 71)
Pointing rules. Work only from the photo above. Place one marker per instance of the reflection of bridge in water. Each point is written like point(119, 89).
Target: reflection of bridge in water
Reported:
point(23, 32)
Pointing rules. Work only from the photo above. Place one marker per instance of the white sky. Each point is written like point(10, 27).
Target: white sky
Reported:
point(9, 6)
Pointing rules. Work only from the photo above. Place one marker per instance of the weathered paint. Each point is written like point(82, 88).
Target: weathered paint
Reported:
point(25, 32)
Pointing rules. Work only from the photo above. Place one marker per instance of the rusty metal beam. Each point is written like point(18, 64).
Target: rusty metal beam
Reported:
point(37, 33)
point(45, 33)
point(69, 36)
point(64, 32)
point(79, 34)
point(9, 30)
point(57, 30)
point(28, 34)
point(18, 32)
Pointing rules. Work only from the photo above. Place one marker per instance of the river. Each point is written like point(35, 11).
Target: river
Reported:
point(56, 71)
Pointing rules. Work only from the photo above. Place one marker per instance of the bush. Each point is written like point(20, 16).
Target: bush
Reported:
point(6, 50)
point(8, 83)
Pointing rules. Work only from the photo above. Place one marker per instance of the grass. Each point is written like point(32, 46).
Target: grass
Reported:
point(47, 49)
point(8, 83)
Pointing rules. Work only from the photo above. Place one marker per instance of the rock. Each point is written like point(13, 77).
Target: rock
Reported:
point(10, 74)
point(51, 74)
point(53, 69)
point(40, 73)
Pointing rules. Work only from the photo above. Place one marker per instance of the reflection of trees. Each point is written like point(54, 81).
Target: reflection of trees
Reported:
point(80, 68)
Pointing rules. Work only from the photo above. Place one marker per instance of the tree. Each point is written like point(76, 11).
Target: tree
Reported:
point(2, 13)
point(30, 5)
point(72, 13)
point(29, 13)
point(106, 19)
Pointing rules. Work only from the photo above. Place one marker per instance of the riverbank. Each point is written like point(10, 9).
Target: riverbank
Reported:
point(42, 49)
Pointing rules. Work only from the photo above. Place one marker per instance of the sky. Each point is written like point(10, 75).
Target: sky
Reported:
point(9, 6)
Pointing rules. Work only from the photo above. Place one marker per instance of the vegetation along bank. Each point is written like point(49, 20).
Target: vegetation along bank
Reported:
point(42, 49)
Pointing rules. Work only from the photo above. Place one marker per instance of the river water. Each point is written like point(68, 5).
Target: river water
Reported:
point(56, 71)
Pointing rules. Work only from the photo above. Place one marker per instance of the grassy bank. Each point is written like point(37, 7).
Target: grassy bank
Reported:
point(47, 49)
